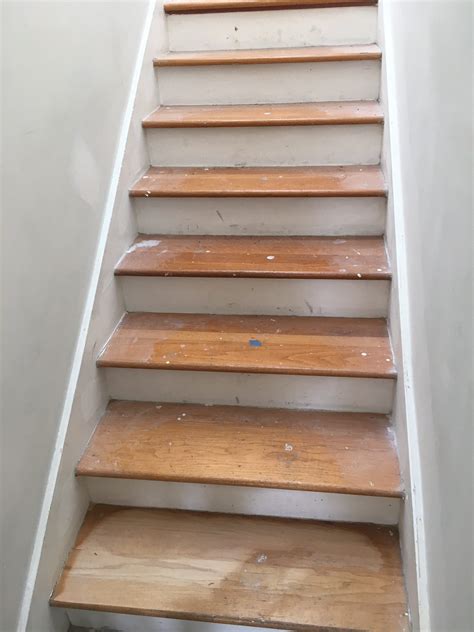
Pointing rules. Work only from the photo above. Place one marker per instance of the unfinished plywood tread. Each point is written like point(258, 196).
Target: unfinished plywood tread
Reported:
point(211, 6)
point(309, 54)
point(283, 449)
point(247, 570)
point(278, 257)
point(333, 113)
point(346, 347)
point(350, 181)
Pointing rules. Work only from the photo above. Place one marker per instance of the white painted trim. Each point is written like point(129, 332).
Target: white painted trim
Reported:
point(416, 487)
point(83, 331)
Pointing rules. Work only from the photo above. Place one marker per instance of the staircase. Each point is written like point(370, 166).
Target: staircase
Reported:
point(245, 472)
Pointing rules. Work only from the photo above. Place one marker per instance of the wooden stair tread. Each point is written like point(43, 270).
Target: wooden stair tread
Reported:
point(280, 257)
point(351, 347)
point(248, 570)
point(271, 56)
point(336, 452)
point(360, 181)
point(331, 113)
point(210, 6)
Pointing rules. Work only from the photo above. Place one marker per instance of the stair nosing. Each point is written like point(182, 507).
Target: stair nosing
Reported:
point(210, 120)
point(309, 54)
point(173, 7)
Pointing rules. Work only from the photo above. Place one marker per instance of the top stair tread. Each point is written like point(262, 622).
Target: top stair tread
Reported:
point(354, 180)
point(292, 345)
point(333, 113)
point(306, 54)
point(210, 6)
point(247, 570)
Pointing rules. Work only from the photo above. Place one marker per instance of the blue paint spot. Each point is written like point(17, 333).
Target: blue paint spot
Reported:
point(254, 343)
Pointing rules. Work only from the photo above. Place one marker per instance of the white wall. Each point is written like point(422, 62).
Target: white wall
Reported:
point(67, 70)
point(429, 58)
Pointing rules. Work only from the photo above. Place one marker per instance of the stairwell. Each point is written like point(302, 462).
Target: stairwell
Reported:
point(245, 472)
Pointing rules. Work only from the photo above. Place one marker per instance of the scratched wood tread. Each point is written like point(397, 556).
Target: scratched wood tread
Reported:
point(211, 6)
point(292, 345)
point(247, 570)
point(335, 452)
point(307, 54)
point(330, 113)
point(343, 181)
point(256, 257)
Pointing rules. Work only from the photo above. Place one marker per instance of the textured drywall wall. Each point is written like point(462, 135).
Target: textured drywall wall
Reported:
point(66, 75)
point(431, 55)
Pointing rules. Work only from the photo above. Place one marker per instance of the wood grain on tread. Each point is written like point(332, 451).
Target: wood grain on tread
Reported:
point(351, 181)
point(334, 452)
point(211, 6)
point(333, 113)
point(272, 572)
point(306, 54)
point(280, 257)
point(294, 345)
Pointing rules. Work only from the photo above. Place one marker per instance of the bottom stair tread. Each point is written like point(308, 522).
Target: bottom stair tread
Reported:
point(246, 570)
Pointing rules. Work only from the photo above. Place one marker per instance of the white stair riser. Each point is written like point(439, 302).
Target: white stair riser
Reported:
point(257, 389)
point(261, 216)
point(244, 500)
point(266, 146)
point(290, 297)
point(272, 29)
point(270, 83)
point(111, 622)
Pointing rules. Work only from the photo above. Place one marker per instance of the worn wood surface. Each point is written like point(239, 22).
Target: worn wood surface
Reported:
point(281, 257)
point(290, 574)
point(211, 6)
point(336, 452)
point(351, 181)
point(346, 347)
point(305, 54)
point(264, 115)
